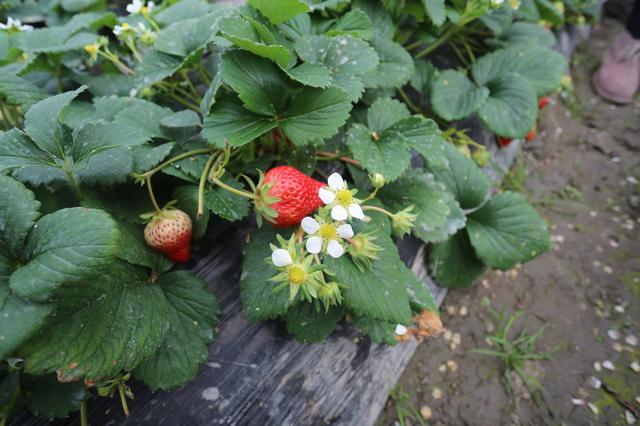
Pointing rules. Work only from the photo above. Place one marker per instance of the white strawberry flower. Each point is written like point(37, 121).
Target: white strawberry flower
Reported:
point(341, 197)
point(281, 258)
point(137, 6)
point(327, 235)
point(15, 24)
point(123, 30)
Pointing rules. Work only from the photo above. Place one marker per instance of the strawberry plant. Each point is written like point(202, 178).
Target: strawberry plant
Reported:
point(324, 130)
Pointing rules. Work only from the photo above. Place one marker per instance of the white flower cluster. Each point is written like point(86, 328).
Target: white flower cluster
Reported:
point(15, 25)
point(126, 29)
point(327, 235)
point(137, 6)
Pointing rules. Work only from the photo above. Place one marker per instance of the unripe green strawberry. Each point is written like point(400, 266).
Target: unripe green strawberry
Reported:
point(169, 232)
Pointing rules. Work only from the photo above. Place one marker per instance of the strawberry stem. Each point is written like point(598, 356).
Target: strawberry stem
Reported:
point(84, 417)
point(170, 161)
point(233, 190)
point(328, 156)
point(378, 209)
point(123, 399)
point(203, 180)
point(152, 196)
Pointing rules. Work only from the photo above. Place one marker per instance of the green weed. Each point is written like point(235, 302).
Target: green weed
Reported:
point(405, 410)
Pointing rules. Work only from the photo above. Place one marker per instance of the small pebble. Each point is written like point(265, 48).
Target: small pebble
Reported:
point(608, 365)
point(425, 412)
point(485, 283)
point(631, 340)
point(453, 366)
point(457, 339)
point(593, 408)
point(597, 366)
point(451, 310)
point(437, 393)
point(607, 269)
point(447, 335)
point(613, 334)
point(594, 382)
point(629, 417)
point(614, 244)
point(635, 366)
point(593, 213)
point(442, 368)
point(617, 347)
point(619, 309)
point(578, 401)
point(464, 311)
point(401, 330)
point(632, 180)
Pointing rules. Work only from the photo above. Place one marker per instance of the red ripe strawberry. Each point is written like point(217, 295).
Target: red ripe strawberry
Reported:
point(503, 142)
point(543, 102)
point(531, 135)
point(169, 232)
point(297, 194)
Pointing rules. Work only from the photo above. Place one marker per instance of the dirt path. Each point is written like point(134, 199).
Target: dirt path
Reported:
point(583, 175)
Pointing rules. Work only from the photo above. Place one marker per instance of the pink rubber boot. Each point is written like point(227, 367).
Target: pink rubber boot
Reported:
point(618, 78)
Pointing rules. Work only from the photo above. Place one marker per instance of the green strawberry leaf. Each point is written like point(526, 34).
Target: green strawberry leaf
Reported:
point(313, 75)
point(19, 319)
point(454, 96)
point(455, 222)
point(20, 92)
point(355, 23)
point(527, 34)
point(385, 112)
point(375, 293)
point(454, 263)
point(345, 56)
point(42, 121)
point(118, 320)
point(422, 135)
point(260, 84)
point(379, 17)
point(147, 156)
point(425, 74)
point(183, 38)
point(156, 66)
point(395, 67)
point(19, 210)
point(46, 397)
point(543, 68)
point(229, 122)
point(507, 231)
point(435, 10)
point(315, 114)
point(186, 9)
point(420, 298)
point(250, 35)
point(66, 247)
point(133, 248)
point(429, 199)
point(259, 301)
point(223, 203)
point(378, 331)
point(512, 106)
point(279, 11)
point(192, 312)
point(389, 155)
point(93, 137)
point(463, 178)
point(309, 323)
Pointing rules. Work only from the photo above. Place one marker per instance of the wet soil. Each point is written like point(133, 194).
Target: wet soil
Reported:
point(582, 174)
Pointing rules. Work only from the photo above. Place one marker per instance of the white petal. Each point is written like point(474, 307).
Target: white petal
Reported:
point(326, 196)
point(335, 249)
point(314, 245)
point(310, 225)
point(281, 257)
point(335, 181)
point(401, 330)
point(345, 231)
point(356, 211)
point(150, 5)
point(339, 213)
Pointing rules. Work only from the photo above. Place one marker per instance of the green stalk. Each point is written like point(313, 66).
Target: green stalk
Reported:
point(84, 416)
point(152, 195)
point(233, 190)
point(442, 40)
point(413, 107)
point(203, 180)
point(7, 115)
point(378, 209)
point(73, 183)
point(123, 399)
point(172, 160)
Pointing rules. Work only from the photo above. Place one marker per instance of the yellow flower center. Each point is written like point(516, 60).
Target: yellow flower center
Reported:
point(328, 231)
point(297, 274)
point(125, 26)
point(144, 11)
point(344, 197)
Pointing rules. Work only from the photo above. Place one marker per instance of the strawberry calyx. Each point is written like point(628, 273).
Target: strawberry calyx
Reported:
point(166, 212)
point(263, 201)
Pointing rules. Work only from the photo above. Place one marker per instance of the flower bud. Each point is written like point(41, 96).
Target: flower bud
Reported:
point(403, 221)
point(481, 156)
point(363, 250)
point(377, 180)
point(464, 150)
